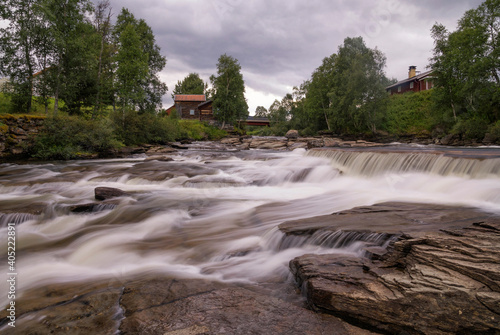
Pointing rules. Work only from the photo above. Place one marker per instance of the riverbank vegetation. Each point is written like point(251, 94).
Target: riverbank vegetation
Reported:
point(97, 81)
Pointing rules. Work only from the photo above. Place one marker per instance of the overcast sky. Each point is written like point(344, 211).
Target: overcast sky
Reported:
point(280, 42)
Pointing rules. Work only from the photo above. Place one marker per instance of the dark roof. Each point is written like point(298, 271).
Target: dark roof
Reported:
point(255, 118)
point(416, 78)
point(190, 97)
point(205, 103)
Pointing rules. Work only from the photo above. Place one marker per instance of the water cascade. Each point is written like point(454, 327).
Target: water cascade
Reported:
point(215, 214)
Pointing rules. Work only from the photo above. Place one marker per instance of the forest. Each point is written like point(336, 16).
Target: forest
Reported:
point(98, 78)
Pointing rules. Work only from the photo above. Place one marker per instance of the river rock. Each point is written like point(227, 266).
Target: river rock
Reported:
point(445, 281)
point(268, 143)
point(163, 305)
point(231, 140)
point(292, 134)
point(104, 193)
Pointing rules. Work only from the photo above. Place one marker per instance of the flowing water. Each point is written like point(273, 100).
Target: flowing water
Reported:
point(214, 213)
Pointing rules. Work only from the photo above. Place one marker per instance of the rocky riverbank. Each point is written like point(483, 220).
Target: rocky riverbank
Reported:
point(440, 275)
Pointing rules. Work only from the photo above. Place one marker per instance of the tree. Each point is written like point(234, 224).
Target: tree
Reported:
point(358, 93)
point(132, 68)
point(318, 104)
point(72, 51)
point(228, 90)
point(19, 42)
point(192, 84)
point(148, 88)
point(103, 28)
point(466, 64)
point(261, 111)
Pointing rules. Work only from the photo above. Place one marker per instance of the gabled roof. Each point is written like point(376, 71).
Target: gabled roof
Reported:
point(190, 97)
point(205, 103)
point(416, 78)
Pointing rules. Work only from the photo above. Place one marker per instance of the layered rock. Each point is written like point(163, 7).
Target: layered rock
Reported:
point(445, 281)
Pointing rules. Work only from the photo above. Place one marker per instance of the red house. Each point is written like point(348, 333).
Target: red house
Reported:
point(415, 82)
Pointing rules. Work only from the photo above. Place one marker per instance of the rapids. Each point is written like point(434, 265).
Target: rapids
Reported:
point(214, 213)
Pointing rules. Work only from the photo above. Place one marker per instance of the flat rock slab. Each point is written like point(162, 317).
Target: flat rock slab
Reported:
point(446, 281)
point(161, 305)
point(390, 218)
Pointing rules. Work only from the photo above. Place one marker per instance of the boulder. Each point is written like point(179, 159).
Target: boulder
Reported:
point(104, 193)
point(292, 134)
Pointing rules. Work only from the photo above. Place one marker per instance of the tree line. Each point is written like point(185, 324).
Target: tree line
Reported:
point(69, 50)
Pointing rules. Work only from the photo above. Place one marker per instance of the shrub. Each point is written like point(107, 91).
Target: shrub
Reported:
point(410, 113)
point(196, 130)
point(133, 128)
point(471, 129)
point(494, 131)
point(70, 137)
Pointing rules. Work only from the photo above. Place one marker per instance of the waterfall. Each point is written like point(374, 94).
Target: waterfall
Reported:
point(372, 163)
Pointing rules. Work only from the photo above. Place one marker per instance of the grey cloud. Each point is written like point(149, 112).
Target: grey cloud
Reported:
point(280, 43)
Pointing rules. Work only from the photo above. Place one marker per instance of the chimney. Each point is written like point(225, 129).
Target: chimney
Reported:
point(412, 72)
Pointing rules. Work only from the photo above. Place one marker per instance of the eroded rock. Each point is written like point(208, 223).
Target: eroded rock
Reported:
point(443, 282)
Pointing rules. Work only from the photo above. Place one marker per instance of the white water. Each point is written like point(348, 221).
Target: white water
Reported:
point(220, 220)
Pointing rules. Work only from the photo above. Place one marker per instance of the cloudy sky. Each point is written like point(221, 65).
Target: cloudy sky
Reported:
point(280, 42)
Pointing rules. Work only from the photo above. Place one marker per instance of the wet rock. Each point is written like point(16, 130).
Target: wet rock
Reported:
point(159, 158)
point(104, 193)
point(292, 134)
point(443, 282)
point(268, 143)
point(231, 140)
point(91, 207)
point(160, 150)
point(179, 146)
point(164, 305)
point(296, 145)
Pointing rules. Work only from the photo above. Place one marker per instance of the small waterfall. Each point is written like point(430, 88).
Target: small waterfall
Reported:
point(354, 241)
point(16, 218)
point(365, 163)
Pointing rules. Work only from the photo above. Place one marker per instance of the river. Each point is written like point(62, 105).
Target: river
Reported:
point(214, 213)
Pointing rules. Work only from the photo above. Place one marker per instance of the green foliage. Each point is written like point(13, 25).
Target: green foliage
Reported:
point(358, 94)
point(198, 131)
point(410, 113)
point(466, 64)
point(192, 84)
point(471, 128)
point(69, 136)
point(133, 128)
point(494, 131)
point(228, 91)
point(261, 111)
point(138, 77)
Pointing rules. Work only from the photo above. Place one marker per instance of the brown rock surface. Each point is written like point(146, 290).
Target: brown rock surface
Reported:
point(165, 306)
point(442, 276)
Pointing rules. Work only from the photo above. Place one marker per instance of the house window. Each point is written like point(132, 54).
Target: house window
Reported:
point(411, 85)
point(399, 89)
point(191, 112)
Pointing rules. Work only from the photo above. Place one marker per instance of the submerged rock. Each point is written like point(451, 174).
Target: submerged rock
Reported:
point(443, 282)
point(104, 193)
